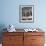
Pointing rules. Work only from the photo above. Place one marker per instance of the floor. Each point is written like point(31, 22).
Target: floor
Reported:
point(0, 44)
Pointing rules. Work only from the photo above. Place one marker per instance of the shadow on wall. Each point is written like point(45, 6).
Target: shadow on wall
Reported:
point(2, 26)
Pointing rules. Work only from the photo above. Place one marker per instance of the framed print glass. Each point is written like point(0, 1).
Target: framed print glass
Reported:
point(26, 13)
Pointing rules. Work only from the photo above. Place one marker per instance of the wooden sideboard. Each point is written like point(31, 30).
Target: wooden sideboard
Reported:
point(23, 38)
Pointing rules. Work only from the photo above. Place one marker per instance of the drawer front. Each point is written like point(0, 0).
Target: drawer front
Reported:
point(13, 33)
point(12, 44)
point(37, 44)
point(37, 39)
point(34, 33)
point(5, 40)
point(12, 39)
point(27, 41)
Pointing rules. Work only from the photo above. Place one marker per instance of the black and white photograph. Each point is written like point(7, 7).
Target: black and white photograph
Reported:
point(26, 13)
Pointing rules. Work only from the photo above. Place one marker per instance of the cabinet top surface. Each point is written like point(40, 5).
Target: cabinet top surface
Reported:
point(22, 30)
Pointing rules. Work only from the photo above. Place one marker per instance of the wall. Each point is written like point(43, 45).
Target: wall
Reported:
point(9, 13)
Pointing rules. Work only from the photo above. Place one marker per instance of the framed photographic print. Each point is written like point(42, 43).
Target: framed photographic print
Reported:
point(26, 13)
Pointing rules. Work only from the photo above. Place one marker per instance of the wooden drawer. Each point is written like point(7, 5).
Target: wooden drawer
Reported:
point(37, 39)
point(37, 44)
point(34, 39)
point(27, 41)
point(34, 33)
point(13, 33)
point(13, 44)
point(12, 39)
